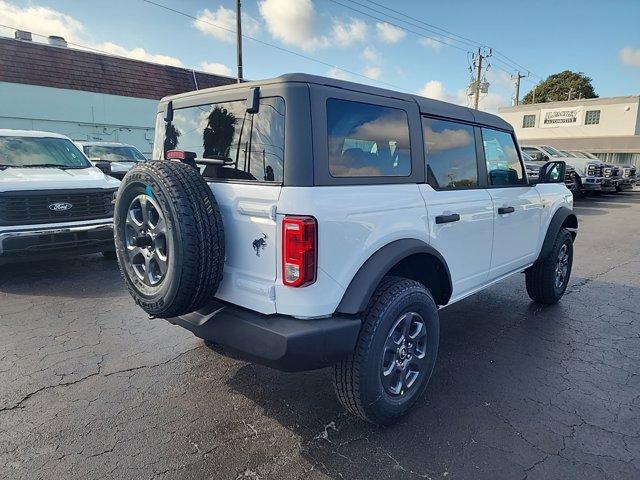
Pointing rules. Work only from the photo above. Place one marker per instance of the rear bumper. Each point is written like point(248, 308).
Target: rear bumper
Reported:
point(26, 242)
point(278, 341)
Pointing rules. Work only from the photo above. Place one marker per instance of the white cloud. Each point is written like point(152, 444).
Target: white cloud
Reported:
point(46, 21)
point(372, 72)
point(221, 24)
point(335, 72)
point(347, 33)
point(293, 23)
point(630, 56)
point(435, 89)
point(431, 44)
point(216, 68)
point(370, 54)
point(389, 33)
point(489, 102)
point(40, 20)
point(138, 54)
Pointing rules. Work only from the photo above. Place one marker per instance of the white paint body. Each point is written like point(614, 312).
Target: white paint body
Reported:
point(354, 222)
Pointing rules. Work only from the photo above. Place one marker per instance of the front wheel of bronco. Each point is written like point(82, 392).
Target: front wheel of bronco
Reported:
point(395, 353)
point(547, 279)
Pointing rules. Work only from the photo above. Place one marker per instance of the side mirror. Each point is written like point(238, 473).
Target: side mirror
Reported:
point(553, 172)
point(104, 166)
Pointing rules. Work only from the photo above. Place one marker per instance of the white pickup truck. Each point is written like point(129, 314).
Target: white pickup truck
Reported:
point(303, 222)
point(52, 199)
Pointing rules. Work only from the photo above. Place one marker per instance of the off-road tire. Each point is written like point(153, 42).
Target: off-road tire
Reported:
point(194, 237)
point(357, 379)
point(541, 276)
point(578, 192)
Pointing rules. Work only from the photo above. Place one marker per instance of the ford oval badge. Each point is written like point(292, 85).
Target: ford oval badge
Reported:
point(60, 207)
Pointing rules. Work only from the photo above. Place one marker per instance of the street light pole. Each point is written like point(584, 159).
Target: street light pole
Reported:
point(239, 39)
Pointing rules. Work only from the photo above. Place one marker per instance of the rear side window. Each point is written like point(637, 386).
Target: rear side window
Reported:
point(367, 140)
point(503, 163)
point(450, 150)
point(250, 146)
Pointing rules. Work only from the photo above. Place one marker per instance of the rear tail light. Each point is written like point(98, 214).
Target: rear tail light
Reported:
point(299, 251)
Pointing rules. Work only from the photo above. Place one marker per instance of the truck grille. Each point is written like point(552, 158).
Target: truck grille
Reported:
point(629, 173)
point(51, 206)
point(595, 170)
point(570, 177)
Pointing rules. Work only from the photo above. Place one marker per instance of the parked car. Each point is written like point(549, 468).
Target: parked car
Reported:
point(330, 232)
point(52, 199)
point(629, 177)
point(612, 178)
point(120, 155)
point(589, 174)
point(532, 167)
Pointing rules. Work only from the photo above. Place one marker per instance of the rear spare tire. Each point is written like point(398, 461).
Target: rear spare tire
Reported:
point(169, 238)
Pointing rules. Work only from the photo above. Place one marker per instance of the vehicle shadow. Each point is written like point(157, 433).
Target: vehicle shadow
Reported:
point(58, 277)
point(502, 363)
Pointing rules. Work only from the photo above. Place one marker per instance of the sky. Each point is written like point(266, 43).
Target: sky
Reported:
point(360, 40)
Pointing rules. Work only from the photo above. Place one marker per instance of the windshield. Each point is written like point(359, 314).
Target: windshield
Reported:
point(577, 154)
point(552, 151)
point(113, 154)
point(526, 157)
point(40, 152)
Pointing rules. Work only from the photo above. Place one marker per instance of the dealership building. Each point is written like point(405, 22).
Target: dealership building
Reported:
point(607, 127)
point(87, 95)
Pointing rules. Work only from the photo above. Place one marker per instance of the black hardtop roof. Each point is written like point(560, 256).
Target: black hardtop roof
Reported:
point(426, 105)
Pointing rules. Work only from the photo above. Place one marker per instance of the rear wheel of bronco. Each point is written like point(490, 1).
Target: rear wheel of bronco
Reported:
point(395, 353)
point(169, 238)
point(547, 279)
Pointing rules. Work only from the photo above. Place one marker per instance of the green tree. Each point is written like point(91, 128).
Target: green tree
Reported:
point(562, 86)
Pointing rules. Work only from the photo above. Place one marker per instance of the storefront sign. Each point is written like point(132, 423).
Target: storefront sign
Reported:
point(561, 117)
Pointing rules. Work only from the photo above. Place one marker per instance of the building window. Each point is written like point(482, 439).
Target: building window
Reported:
point(528, 121)
point(592, 117)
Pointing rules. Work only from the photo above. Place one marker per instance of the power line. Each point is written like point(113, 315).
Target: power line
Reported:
point(399, 26)
point(277, 47)
point(420, 24)
point(507, 61)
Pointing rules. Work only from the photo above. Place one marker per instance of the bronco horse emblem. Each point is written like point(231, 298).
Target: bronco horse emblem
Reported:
point(260, 244)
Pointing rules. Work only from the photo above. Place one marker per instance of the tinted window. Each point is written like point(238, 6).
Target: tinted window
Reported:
point(250, 146)
point(367, 140)
point(450, 149)
point(503, 163)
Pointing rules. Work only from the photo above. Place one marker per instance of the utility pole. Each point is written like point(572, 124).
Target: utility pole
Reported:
point(239, 39)
point(476, 85)
point(517, 77)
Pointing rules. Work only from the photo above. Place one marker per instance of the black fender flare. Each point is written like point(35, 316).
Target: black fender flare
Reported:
point(366, 280)
point(559, 218)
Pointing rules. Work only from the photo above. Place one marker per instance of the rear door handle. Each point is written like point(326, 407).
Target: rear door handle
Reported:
point(454, 217)
point(505, 210)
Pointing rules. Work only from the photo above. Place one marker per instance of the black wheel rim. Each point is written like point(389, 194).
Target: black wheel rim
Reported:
point(405, 354)
point(146, 240)
point(562, 267)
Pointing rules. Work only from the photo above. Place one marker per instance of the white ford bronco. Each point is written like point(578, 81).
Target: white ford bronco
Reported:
point(52, 199)
point(304, 222)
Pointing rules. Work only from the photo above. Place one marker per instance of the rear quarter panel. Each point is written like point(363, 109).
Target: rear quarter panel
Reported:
point(353, 223)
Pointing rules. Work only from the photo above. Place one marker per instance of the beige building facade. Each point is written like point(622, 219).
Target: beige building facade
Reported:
point(607, 127)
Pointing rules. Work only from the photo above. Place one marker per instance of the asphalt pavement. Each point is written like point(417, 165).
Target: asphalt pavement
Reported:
point(90, 388)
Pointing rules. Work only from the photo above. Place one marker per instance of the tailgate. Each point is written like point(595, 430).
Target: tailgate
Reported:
point(250, 269)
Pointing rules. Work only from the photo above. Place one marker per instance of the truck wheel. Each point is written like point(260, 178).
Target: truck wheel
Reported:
point(547, 279)
point(578, 192)
point(169, 238)
point(395, 354)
